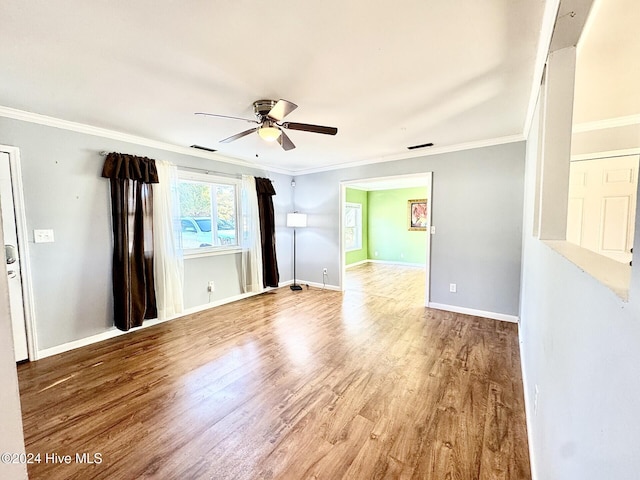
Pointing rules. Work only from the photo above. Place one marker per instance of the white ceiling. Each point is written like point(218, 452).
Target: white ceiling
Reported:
point(387, 74)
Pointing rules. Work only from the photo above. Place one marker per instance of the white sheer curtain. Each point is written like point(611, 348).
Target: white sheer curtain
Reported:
point(250, 237)
point(168, 262)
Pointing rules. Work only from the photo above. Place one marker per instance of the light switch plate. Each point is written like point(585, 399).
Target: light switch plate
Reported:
point(43, 236)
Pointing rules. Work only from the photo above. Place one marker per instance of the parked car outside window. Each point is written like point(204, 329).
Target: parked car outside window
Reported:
point(196, 232)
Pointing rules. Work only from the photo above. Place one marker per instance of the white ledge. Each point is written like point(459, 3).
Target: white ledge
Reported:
point(614, 275)
point(212, 252)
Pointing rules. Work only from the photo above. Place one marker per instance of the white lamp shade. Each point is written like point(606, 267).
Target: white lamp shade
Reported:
point(296, 219)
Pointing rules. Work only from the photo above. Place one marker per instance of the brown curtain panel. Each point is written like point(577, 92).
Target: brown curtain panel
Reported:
point(270, 275)
point(134, 297)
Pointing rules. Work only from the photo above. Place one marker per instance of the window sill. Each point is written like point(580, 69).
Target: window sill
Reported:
point(614, 275)
point(211, 253)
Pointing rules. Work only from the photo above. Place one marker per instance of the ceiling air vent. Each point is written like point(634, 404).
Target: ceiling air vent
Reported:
point(420, 146)
point(206, 149)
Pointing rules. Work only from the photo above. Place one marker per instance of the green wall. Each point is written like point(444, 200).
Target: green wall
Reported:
point(359, 196)
point(388, 227)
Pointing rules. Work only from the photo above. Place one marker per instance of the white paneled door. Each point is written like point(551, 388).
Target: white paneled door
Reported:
point(602, 205)
point(12, 254)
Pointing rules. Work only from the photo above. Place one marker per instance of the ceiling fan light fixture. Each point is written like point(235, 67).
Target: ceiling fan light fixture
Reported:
point(269, 133)
point(269, 123)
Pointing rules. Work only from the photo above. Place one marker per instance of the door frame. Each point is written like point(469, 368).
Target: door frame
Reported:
point(428, 183)
point(23, 248)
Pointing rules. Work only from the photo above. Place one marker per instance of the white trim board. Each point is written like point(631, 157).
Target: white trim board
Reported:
point(23, 244)
point(385, 262)
point(321, 286)
point(549, 17)
point(426, 152)
point(476, 313)
point(606, 123)
point(529, 413)
point(390, 262)
point(37, 118)
point(607, 154)
point(355, 264)
point(114, 332)
point(304, 283)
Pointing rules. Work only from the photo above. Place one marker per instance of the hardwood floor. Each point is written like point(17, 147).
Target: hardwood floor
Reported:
point(289, 385)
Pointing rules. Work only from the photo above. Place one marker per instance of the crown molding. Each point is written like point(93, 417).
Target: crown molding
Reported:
point(416, 154)
point(607, 123)
point(147, 142)
point(125, 137)
point(606, 154)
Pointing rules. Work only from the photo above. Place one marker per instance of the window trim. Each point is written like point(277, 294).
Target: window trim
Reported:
point(358, 207)
point(214, 250)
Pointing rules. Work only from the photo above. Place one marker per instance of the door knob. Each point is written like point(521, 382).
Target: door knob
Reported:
point(11, 253)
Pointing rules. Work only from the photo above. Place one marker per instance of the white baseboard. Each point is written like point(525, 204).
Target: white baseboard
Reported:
point(83, 342)
point(319, 285)
point(477, 313)
point(217, 303)
point(528, 410)
point(355, 264)
point(114, 332)
point(311, 284)
point(405, 264)
point(386, 262)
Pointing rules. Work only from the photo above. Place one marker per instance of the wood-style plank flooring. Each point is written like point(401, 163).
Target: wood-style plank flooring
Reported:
point(289, 385)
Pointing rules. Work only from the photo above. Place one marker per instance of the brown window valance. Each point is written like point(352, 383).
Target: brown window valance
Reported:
point(131, 167)
point(264, 186)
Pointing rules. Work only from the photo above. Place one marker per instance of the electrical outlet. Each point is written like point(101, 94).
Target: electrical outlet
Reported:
point(211, 286)
point(453, 288)
point(324, 271)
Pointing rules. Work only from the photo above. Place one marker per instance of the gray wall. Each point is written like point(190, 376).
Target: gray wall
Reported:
point(477, 197)
point(477, 212)
point(579, 350)
point(63, 191)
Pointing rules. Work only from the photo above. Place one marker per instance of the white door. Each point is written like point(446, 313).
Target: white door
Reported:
point(12, 254)
point(602, 205)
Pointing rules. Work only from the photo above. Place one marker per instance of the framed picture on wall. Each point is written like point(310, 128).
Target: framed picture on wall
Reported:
point(417, 212)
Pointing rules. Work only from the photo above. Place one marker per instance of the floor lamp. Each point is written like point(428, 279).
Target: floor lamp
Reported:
point(296, 220)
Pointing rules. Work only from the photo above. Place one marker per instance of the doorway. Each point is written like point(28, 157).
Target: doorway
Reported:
point(602, 205)
point(16, 253)
point(387, 237)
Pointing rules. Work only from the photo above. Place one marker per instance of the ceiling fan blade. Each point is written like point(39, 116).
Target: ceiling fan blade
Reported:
point(238, 135)
point(305, 127)
point(285, 142)
point(225, 116)
point(281, 109)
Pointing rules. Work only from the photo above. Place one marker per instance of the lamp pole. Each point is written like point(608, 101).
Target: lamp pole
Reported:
point(295, 286)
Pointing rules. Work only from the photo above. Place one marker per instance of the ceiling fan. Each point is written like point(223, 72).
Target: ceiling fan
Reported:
point(269, 117)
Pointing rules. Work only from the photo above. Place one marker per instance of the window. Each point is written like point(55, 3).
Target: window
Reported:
point(353, 226)
point(208, 212)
